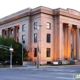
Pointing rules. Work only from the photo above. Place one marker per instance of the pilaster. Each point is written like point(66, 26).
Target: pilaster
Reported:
point(61, 40)
point(77, 43)
point(69, 40)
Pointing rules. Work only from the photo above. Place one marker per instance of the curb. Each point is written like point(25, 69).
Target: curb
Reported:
point(23, 67)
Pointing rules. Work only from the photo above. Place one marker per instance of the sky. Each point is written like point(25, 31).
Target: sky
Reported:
point(8, 7)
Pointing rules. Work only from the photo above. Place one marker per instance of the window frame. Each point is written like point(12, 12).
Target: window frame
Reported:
point(35, 52)
point(35, 25)
point(48, 52)
point(48, 25)
point(48, 38)
point(35, 38)
point(11, 31)
point(23, 38)
point(23, 27)
point(18, 30)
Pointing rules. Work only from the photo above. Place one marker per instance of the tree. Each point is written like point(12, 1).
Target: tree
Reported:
point(17, 54)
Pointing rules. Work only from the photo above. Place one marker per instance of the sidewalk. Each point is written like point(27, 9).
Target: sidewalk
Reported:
point(45, 66)
point(23, 67)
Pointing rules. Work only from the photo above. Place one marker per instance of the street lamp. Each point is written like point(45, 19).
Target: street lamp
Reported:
point(22, 51)
point(11, 50)
point(38, 47)
point(22, 54)
point(8, 49)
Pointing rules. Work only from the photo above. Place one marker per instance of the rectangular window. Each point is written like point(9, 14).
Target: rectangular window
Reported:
point(18, 30)
point(48, 50)
point(48, 38)
point(35, 37)
point(11, 31)
point(23, 38)
point(35, 25)
point(48, 25)
point(35, 52)
point(23, 27)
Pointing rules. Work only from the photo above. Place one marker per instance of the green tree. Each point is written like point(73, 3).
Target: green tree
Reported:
point(17, 54)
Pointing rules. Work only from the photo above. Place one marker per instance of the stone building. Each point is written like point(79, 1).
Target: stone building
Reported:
point(52, 33)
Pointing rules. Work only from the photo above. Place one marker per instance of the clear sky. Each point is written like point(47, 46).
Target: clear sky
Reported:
point(8, 7)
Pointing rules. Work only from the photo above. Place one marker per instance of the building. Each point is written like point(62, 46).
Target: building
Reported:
point(58, 36)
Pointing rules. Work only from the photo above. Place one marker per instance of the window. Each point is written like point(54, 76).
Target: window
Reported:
point(48, 25)
point(48, 38)
point(35, 37)
point(35, 25)
point(23, 38)
point(35, 52)
point(18, 30)
point(23, 27)
point(11, 31)
point(48, 52)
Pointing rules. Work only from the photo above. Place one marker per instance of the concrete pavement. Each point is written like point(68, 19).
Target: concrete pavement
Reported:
point(42, 73)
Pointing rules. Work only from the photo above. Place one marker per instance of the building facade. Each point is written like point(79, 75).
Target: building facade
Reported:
point(51, 34)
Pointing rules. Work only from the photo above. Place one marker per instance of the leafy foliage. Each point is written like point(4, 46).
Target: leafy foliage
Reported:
point(17, 54)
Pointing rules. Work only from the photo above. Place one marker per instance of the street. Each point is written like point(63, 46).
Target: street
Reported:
point(42, 73)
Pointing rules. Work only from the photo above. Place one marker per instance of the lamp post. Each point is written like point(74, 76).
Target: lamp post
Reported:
point(22, 51)
point(22, 54)
point(8, 49)
point(11, 50)
point(38, 47)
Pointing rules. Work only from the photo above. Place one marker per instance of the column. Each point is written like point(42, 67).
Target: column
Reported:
point(77, 43)
point(75, 37)
point(69, 41)
point(61, 40)
point(65, 41)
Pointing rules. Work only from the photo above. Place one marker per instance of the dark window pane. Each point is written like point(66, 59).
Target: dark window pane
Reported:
point(48, 52)
point(48, 38)
point(35, 52)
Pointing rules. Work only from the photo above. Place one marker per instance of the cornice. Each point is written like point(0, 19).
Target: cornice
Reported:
point(38, 10)
point(14, 18)
point(66, 13)
point(69, 15)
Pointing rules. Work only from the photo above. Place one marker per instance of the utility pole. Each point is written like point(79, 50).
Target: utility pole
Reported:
point(38, 47)
point(22, 51)
point(22, 54)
